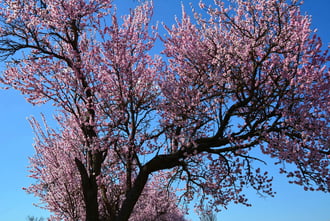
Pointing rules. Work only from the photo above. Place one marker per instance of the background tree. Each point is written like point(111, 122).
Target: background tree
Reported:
point(239, 79)
point(207, 214)
point(33, 218)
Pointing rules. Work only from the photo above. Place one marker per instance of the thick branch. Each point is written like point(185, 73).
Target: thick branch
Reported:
point(158, 163)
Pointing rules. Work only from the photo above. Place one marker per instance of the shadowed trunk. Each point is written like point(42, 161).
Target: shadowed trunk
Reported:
point(158, 163)
point(89, 186)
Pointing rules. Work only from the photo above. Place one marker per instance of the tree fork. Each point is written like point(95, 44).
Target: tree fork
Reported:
point(159, 162)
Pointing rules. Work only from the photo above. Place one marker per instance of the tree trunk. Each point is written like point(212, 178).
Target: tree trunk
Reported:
point(133, 195)
point(89, 186)
point(158, 163)
point(90, 195)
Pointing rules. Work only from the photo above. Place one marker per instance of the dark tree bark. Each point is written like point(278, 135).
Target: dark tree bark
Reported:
point(90, 188)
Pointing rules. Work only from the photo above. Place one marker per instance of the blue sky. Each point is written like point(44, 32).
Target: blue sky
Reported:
point(290, 204)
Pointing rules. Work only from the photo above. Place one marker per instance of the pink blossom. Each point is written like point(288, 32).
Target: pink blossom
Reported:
point(130, 126)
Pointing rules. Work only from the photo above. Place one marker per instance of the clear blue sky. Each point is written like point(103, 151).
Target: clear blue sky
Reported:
point(290, 204)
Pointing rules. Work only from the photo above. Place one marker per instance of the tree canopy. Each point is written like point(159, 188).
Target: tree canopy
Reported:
point(231, 79)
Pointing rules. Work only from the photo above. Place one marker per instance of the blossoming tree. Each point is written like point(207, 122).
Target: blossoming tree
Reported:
point(59, 183)
point(233, 80)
